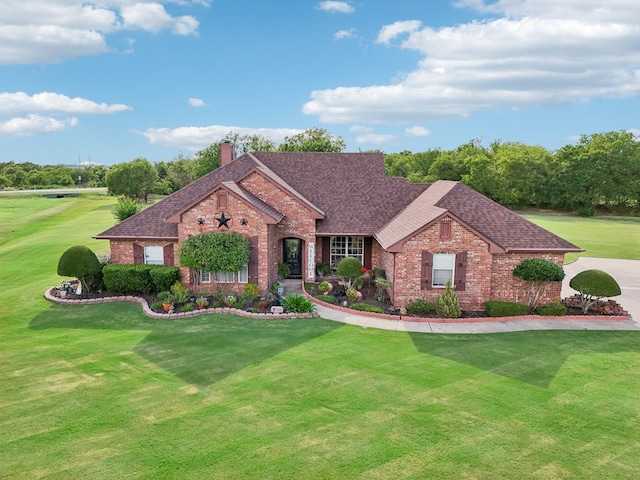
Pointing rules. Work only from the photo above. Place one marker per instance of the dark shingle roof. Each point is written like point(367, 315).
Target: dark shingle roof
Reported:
point(352, 192)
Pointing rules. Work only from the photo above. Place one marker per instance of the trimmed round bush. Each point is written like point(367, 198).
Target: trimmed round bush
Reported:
point(349, 267)
point(538, 270)
point(595, 283)
point(80, 262)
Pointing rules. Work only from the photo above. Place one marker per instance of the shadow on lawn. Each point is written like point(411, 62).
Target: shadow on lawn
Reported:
point(533, 357)
point(199, 350)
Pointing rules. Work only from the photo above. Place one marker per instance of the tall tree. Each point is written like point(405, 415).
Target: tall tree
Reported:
point(135, 179)
point(313, 140)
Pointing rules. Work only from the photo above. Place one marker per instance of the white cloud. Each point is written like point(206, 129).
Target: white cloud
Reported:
point(53, 103)
point(196, 102)
point(342, 34)
point(635, 132)
point(50, 31)
point(375, 138)
point(417, 131)
point(360, 129)
point(38, 112)
point(34, 124)
point(389, 32)
point(196, 138)
point(336, 7)
point(539, 53)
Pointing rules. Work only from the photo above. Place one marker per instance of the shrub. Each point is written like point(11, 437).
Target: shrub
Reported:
point(594, 285)
point(379, 273)
point(251, 289)
point(180, 293)
point(165, 297)
point(80, 262)
point(381, 284)
point(163, 276)
point(125, 208)
point(326, 298)
point(537, 272)
point(187, 307)
point(505, 309)
point(128, 279)
point(297, 304)
point(419, 306)
point(555, 309)
point(349, 270)
point(156, 306)
point(447, 304)
point(365, 307)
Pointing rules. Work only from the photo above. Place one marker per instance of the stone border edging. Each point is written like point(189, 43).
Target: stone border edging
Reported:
point(194, 313)
point(406, 318)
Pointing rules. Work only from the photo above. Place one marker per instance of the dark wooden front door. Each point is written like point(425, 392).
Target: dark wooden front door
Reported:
point(292, 254)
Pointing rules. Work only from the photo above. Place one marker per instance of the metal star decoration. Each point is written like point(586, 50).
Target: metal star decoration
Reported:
point(222, 220)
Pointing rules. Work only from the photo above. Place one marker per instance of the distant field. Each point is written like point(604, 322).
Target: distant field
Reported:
point(104, 392)
point(601, 237)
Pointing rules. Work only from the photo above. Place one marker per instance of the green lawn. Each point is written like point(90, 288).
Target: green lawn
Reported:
point(601, 237)
point(102, 391)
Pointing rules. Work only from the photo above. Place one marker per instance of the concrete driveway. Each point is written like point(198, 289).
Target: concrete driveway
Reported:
point(626, 273)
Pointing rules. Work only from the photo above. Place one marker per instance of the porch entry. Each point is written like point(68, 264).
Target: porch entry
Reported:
point(292, 254)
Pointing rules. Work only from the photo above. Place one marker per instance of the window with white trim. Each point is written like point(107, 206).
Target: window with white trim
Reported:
point(443, 268)
point(342, 247)
point(205, 277)
point(229, 277)
point(154, 255)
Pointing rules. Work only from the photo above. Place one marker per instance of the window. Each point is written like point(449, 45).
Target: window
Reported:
point(443, 267)
point(205, 277)
point(154, 255)
point(342, 247)
point(229, 277)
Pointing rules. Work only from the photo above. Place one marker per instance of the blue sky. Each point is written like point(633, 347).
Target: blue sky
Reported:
point(113, 80)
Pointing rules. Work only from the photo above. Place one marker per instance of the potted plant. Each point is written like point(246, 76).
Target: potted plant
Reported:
point(325, 287)
point(322, 269)
point(167, 300)
point(202, 302)
point(229, 300)
point(284, 270)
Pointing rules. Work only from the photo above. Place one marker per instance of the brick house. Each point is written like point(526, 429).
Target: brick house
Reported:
point(304, 208)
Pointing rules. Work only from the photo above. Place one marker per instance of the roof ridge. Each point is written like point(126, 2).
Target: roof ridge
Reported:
point(417, 214)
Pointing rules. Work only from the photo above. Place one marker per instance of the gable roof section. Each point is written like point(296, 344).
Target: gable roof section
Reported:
point(422, 211)
point(505, 228)
point(352, 189)
point(151, 222)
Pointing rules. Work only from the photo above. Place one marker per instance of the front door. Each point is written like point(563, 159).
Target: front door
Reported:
point(292, 254)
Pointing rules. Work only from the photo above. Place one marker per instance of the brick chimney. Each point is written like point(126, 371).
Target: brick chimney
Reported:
point(227, 153)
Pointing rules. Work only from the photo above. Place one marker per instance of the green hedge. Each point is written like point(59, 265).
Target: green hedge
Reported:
point(505, 309)
point(365, 307)
point(133, 279)
point(555, 309)
point(420, 306)
point(326, 298)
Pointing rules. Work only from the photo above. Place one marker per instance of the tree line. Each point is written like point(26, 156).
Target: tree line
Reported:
point(600, 172)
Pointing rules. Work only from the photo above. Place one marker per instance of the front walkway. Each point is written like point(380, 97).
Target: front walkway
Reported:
point(485, 325)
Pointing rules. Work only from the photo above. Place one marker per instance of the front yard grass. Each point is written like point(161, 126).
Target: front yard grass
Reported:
point(102, 391)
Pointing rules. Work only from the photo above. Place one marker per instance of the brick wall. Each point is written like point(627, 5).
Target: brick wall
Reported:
point(407, 273)
point(122, 250)
point(506, 287)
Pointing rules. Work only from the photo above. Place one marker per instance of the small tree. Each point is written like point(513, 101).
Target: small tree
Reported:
point(594, 285)
point(538, 272)
point(349, 269)
point(80, 262)
point(215, 252)
point(448, 304)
